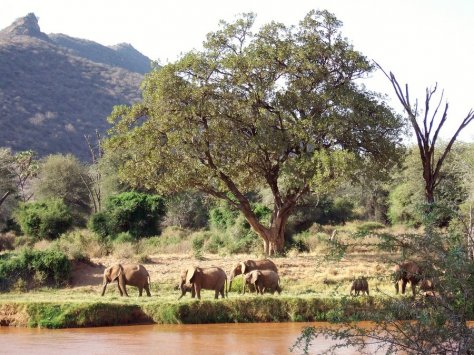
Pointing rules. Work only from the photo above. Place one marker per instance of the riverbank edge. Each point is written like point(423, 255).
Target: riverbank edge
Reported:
point(252, 310)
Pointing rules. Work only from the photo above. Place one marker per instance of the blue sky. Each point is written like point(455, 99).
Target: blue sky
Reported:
point(421, 41)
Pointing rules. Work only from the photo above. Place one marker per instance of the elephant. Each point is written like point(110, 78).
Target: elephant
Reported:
point(250, 265)
point(186, 288)
point(127, 274)
point(360, 285)
point(264, 280)
point(428, 287)
point(211, 278)
point(408, 271)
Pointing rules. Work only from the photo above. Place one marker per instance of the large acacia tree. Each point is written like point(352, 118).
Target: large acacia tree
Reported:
point(276, 108)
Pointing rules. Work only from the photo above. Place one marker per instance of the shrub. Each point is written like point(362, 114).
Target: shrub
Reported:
point(46, 219)
point(80, 245)
point(98, 224)
point(136, 213)
point(198, 244)
point(222, 217)
point(52, 266)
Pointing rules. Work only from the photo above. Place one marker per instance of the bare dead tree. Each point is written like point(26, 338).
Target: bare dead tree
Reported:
point(427, 132)
point(95, 175)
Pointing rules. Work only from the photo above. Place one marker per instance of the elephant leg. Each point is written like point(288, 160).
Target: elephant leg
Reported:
point(198, 291)
point(396, 286)
point(222, 292)
point(216, 294)
point(103, 288)
point(140, 291)
point(120, 289)
point(404, 285)
point(413, 288)
point(193, 293)
point(124, 290)
point(147, 290)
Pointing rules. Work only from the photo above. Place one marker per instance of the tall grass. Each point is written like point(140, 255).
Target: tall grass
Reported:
point(243, 310)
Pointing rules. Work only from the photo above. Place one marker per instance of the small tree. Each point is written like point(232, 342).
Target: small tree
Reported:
point(64, 177)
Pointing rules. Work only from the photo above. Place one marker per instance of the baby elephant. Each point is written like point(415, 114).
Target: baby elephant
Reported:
point(127, 274)
point(263, 280)
point(360, 285)
point(427, 286)
point(184, 289)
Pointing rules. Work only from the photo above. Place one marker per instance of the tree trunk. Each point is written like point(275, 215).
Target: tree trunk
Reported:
point(273, 237)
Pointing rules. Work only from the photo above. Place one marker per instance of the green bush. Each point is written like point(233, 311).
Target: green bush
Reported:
point(222, 217)
point(137, 213)
point(98, 224)
point(53, 265)
point(45, 219)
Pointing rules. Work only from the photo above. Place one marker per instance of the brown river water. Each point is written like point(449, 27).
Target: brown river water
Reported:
point(203, 339)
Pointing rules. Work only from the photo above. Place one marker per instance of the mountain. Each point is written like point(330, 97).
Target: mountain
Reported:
point(54, 89)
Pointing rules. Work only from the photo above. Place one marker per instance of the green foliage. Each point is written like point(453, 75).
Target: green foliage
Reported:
point(98, 223)
point(46, 219)
point(439, 321)
point(16, 170)
point(64, 177)
point(198, 244)
point(136, 213)
point(186, 210)
point(25, 265)
point(407, 196)
point(53, 316)
point(222, 217)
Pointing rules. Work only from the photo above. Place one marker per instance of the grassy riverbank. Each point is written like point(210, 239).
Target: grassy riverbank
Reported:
point(66, 314)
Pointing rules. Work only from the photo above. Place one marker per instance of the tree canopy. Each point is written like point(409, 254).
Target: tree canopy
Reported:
point(277, 107)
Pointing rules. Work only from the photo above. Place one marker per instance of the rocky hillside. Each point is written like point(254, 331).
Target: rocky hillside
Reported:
point(54, 89)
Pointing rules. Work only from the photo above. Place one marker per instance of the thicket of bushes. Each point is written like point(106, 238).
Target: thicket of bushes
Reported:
point(135, 213)
point(33, 268)
point(45, 219)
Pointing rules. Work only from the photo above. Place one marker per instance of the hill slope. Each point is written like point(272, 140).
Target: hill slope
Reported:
point(55, 89)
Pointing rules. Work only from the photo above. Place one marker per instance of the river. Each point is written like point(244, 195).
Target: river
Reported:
point(202, 339)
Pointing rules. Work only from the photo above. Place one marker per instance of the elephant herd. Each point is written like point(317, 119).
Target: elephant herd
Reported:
point(405, 272)
point(259, 275)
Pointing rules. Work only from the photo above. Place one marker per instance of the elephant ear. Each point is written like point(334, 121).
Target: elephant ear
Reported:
point(243, 267)
point(255, 276)
point(115, 272)
point(190, 274)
